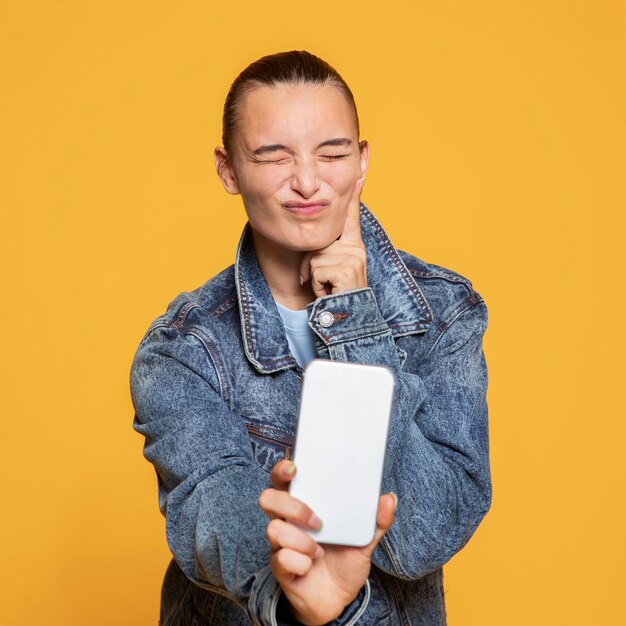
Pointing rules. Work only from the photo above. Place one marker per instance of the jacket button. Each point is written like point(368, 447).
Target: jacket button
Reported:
point(326, 319)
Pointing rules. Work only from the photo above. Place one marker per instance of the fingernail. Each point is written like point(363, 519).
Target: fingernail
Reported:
point(291, 469)
point(319, 551)
point(314, 522)
point(395, 497)
point(301, 280)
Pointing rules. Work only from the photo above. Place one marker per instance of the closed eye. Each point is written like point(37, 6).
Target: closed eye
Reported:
point(334, 157)
point(281, 161)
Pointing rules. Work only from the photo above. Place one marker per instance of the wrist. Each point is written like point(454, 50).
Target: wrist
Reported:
point(287, 615)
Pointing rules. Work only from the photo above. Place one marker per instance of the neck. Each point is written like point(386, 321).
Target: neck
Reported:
point(281, 268)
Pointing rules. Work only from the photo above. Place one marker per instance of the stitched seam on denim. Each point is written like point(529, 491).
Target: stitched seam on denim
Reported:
point(270, 440)
point(209, 587)
point(343, 337)
point(273, 605)
point(408, 324)
point(363, 606)
point(269, 431)
point(182, 313)
point(263, 362)
point(246, 316)
point(159, 321)
point(450, 279)
point(244, 301)
point(457, 279)
point(225, 306)
point(398, 598)
point(445, 325)
point(219, 591)
point(391, 326)
point(218, 365)
point(400, 573)
point(400, 265)
point(411, 331)
point(285, 359)
point(252, 602)
point(154, 326)
point(265, 427)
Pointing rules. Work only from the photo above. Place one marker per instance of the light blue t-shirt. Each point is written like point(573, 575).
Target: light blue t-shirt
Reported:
point(299, 335)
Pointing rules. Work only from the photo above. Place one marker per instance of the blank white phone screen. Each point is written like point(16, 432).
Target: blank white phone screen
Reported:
point(340, 447)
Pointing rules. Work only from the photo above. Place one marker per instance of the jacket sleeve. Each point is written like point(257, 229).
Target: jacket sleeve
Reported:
point(209, 483)
point(437, 458)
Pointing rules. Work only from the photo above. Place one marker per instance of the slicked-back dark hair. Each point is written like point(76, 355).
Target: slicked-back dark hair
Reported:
point(291, 68)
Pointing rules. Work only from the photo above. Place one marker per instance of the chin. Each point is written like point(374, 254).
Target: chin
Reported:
point(315, 238)
point(304, 244)
point(298, 240)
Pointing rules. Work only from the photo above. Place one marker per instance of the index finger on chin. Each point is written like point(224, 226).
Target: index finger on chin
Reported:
point(352, 226)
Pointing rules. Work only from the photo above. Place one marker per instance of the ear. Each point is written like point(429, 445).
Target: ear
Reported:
point(225, 170)
point(364, 149)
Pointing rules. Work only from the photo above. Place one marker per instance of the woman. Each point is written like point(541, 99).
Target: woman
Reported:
point(216, 380)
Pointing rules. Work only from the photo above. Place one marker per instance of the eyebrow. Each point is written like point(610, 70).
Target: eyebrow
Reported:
point(339, 141)
point(275, 147)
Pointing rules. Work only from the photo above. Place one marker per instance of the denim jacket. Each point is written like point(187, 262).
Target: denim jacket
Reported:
point(216, 392)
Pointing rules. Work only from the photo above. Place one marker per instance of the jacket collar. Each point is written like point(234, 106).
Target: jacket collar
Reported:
point(399, 298)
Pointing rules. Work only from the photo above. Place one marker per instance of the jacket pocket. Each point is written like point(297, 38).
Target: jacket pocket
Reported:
point(269, 444)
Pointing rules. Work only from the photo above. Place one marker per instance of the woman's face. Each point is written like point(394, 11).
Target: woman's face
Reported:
point(295, 159)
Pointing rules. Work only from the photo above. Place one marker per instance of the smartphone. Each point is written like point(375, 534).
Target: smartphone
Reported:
point(340, 444)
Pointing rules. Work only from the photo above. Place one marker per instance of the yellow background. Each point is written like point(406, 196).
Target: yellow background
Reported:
point(498, 150)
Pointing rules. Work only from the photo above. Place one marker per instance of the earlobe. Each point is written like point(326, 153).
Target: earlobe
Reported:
point(225, 171)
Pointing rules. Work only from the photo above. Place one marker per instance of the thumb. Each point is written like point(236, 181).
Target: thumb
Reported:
point(384, 519)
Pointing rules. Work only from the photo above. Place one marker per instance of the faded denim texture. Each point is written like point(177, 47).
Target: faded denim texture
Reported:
point(216, 393)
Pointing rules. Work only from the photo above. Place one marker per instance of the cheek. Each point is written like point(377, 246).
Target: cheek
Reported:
point(262, 185)
point(342, 176)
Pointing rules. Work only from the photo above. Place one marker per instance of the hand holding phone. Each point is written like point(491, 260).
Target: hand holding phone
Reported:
point(318, 582)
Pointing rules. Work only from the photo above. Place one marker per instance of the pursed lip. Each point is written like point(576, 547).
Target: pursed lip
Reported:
point(306, 208)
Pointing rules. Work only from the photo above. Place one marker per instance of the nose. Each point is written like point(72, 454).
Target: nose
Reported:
point(305, 179)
